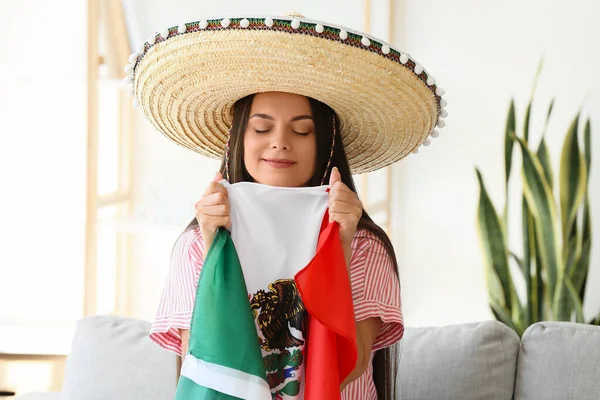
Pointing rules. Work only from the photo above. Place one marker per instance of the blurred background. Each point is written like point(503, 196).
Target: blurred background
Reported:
point(92, 198)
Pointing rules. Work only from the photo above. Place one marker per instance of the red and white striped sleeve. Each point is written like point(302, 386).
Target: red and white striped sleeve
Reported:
point(177, 301)
point(376, 288)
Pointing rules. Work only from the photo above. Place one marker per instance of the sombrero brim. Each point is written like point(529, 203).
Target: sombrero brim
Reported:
point(187, 79)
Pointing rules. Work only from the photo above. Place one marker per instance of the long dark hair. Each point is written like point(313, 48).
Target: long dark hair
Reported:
point(385, 360)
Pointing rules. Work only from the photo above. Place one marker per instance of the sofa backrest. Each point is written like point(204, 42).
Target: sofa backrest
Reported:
point(113, 358)
point(559, 360)
point(473, 361)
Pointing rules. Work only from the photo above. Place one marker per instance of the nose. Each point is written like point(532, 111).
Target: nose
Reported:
point(280, 140)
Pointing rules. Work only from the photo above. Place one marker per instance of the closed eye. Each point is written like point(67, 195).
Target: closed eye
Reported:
point(267, 130)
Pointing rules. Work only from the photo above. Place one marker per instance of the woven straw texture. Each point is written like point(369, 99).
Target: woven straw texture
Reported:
point(188, 83)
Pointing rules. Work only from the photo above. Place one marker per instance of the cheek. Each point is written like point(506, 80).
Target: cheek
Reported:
point(251, 147)
point(312, 150)
point(309, 151)
point(253, 151)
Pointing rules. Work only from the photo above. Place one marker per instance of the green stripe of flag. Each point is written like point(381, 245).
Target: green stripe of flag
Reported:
point(224, 350)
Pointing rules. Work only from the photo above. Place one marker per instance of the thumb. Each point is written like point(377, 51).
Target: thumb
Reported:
point(335, 176)
point(217, 177)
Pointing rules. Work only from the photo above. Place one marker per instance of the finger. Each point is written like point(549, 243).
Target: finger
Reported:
point(213, 223)
point(334, 177)
point(345, 209)
point(221, 210)
point(342, 189)
point(347, 197)
point(214, 199)
point(338, 205)
point(346, 200)
point(217, 177)
point(215, 187)
point(344, 218)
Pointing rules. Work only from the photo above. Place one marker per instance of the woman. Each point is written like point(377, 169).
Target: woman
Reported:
point(286, 138)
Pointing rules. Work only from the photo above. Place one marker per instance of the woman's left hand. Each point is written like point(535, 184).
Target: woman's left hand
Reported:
point(344, 207)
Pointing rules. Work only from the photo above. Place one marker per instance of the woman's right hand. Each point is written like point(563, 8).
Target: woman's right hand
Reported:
point(212, 211)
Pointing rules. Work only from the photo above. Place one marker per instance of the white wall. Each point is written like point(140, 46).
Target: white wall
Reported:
point(42, 173)
point(169, 180)
point(482, 53)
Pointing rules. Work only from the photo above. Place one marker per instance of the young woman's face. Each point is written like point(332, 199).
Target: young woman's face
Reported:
point(279, 142)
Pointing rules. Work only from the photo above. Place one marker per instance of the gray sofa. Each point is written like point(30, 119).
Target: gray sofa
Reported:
point(112, 358)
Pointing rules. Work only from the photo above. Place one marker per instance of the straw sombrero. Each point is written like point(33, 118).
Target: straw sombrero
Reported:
point(187, 78)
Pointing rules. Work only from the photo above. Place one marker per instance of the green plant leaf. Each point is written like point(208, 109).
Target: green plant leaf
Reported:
point(573, 179)
point(542, 208)
point(520, 317)
point(527, 226)
point(573, 188)
point(530, 265)
point(519, 263)
point(580, 274)
point(491, 235)
point(538, 303)
point(508, 149)
point(580, 270)
point(508, 142)
point(587, 224)
point(587, 146)
point(565, 303)
point(574, 298)
point(541, 300)
point(527, 119)
point(528, 111)
point(550, 107)
point(502, 315)
point(573, 255)
point(579, 277)
point(525, 311)
point(544, 155)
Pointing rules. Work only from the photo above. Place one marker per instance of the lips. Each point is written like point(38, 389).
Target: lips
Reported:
point(279, 162)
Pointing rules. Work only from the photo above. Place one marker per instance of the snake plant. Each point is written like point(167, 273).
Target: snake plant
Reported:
point(555, 255)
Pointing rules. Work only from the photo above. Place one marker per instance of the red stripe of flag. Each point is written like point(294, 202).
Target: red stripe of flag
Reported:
point(325, 289)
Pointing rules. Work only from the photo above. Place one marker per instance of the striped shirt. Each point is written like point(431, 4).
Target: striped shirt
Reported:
point(375, 293)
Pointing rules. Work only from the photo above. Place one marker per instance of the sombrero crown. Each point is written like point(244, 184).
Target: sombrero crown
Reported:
point(188, 77)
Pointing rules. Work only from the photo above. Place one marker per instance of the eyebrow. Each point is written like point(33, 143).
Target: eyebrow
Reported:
point(267, 116)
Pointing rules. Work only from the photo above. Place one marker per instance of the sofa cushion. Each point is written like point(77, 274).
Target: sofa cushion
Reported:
point(559, 360)
point(113, 358)
point(468, 361)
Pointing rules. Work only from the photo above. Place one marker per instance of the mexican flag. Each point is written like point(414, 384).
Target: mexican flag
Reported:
point(273, 315)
